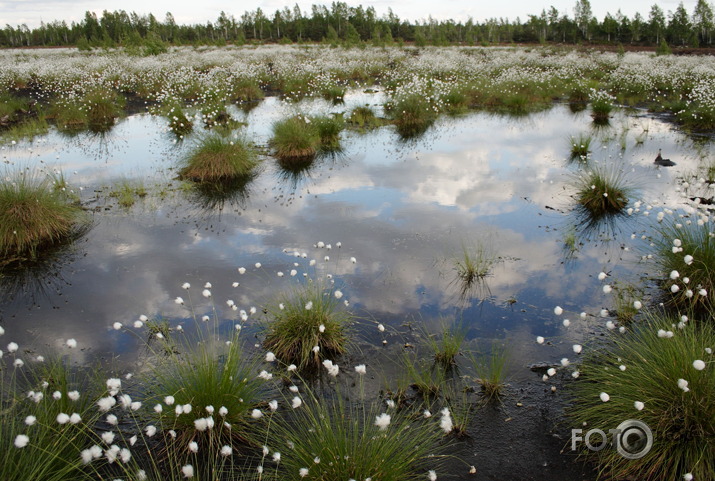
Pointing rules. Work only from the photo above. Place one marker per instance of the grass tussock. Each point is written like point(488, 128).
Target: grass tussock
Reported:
point(603, 190)
point(363, 118)
point(295, 137)
point(580, 146)
point(52, 449)
point(208, 377)
point(687, 252)
point(329, 440)
point(308, 327)
point(329, 128)
point(219, 159)
point(661, 384)
point(412, 115)
point(472, 266)
point(448, 346)
point(34, 215)
point(490, 370)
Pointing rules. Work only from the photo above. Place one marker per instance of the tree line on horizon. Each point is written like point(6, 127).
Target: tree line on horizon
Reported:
point(340, 24)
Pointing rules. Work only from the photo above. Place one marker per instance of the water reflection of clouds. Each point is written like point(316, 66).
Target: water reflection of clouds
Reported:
point(402, 210)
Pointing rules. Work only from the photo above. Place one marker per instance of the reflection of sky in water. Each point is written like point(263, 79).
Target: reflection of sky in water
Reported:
point(403, 209)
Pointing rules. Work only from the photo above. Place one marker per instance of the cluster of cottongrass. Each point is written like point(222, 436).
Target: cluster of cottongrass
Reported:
point(206, 408)
point(685, 254)
point(217, 158)
point(661, 375)
point(34, 215)
point(88, 90)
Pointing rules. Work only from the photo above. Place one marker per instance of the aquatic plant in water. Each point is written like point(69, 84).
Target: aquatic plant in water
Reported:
point(295, 137)
point(308, 326)
point(603, 189)
point(335, 440)
point(34, 215)
point(685, 254)
point(663, 378)
point(217, 158)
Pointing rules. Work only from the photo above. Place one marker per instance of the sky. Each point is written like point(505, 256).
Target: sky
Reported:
point(32, 12)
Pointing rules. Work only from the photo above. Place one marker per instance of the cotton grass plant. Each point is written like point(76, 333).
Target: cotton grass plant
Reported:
point(217, 159)
point(580, 147)
point(664, 380)
point(220, 384)
point(308, 325)
point(35, 216)
point(295, 137)
point(490, 371)
point(447, 346)
point(335, 440)
point(603, 189)
point(46, 419)
point(685, 254)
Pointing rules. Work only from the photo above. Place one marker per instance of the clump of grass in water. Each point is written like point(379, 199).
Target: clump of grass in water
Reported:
point(449, 345)
point(687, 252)
point(179, 124)
point(34, 215)
point(216, 380)
point(473, 266)
point(412, 115)
point(665, 382)
point(624, 302)
point(603, 190)
point(295, 138)
point(308, 326)
point(102, 107)
point(219, 159)
point(33, 443)
point(28, 129)
point(490, 371)
point(363, 117)
point(69, 116)
point(329, 440)
point(329, 128)
point(127, 193)
point(426, 377)
point(601, 106)
point(334, 93)
point(580, 147)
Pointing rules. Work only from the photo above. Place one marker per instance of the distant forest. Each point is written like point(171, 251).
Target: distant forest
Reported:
point(340, 24)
